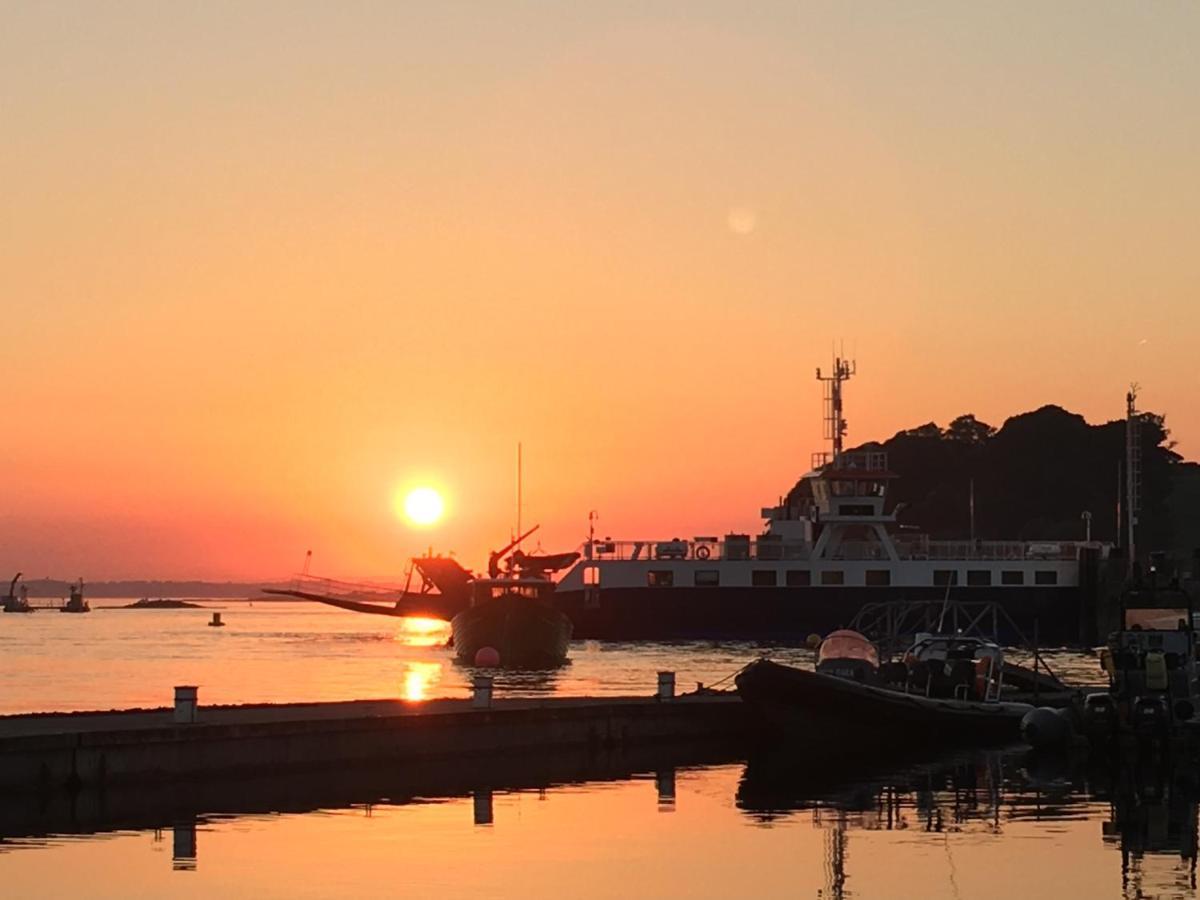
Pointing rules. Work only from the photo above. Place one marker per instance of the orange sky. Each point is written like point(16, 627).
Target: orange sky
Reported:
point(262, 264)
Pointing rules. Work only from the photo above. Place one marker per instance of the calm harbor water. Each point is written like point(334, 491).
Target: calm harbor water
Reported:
point(802, 821)
point(281, 651)
point(985, 825)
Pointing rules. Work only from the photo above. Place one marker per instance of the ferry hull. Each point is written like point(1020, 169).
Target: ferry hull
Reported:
point(786, 615)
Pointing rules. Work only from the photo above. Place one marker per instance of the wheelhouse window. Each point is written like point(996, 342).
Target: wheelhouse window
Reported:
point(591, 575)
point(943, 577)
point(798, 578)
point(833, 576)
point(660, 578)
point(707, 578)
point(1045, 576)
point(1012, 576)
point(879, 577)
point(855, 509)
point(979, 577)
point(764, 578)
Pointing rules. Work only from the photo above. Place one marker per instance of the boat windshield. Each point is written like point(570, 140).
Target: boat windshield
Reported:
point(847, 644)
point(1156, 619)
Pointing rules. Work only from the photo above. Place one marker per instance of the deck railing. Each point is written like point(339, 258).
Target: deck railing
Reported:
point(771, 549)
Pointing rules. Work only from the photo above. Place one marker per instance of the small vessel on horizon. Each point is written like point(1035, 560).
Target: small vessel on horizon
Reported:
point(76, 603)
point(17, 601)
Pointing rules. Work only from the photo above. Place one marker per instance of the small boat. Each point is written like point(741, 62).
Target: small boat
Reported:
point(17, 601)
point(76, 603)
point(515, 618)
point(949, 693)
point(1150, 661)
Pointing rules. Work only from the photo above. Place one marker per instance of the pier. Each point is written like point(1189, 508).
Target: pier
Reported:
point(50, 753)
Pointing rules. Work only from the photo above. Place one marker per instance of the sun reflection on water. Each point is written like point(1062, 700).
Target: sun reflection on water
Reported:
point(416, 631)
point(419, 677)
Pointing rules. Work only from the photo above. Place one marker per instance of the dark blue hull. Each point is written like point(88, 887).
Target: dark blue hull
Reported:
point(791, 614)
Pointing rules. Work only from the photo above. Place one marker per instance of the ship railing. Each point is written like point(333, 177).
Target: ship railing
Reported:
point(988, 550)
point(865, 461)
point(332, 587)
point(700, 549)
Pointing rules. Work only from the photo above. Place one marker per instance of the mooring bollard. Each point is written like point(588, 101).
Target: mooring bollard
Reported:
point(185, 705)
point(481, 691)
point(666, 685)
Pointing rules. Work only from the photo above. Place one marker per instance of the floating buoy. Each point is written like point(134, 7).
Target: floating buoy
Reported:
point(216, 621)
point(813, 642)
point(487, 657)
point(1045, 727)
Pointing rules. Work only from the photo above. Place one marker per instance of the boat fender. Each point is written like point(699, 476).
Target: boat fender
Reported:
point(1045, 727)
point(981, 673)
point(703, 552)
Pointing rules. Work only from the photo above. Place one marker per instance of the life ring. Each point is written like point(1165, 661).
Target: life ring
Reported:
point(703, 552)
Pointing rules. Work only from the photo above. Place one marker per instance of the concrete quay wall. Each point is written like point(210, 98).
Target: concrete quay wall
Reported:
point(73, 752)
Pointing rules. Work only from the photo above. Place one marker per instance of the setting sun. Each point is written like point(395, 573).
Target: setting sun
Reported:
point(423, 506)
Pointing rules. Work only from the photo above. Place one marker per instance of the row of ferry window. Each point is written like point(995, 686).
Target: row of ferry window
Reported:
point(833, 577)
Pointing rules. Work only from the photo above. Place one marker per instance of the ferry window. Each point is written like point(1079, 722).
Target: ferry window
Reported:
point(707, 578)
point(764, 578)
point(661, 578)
point(1012, 576)
point(855, 509)
point(1045, 577)
point(833, 576)
point(879, 577)
point(943, 577)
point(799, 578)
point(979, 577)
point(591, 575)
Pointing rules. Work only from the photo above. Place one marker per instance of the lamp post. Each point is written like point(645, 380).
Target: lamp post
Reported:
point(1087, 526)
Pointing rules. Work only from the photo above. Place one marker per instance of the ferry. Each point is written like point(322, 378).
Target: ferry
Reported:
point(830, 547)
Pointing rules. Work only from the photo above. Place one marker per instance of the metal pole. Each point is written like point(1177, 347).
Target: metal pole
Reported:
point(1036, 657)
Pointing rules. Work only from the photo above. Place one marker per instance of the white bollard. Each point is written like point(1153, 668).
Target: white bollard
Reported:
point(481, 691)
point(666, 685)
point(185, 705)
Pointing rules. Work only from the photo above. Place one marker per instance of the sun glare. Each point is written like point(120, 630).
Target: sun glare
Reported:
point(423, 506)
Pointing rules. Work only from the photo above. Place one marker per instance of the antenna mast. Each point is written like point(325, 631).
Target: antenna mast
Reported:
point(835, 425)
point(1133, 467)
point(518, 494)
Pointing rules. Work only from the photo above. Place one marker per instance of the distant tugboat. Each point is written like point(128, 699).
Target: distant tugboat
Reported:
point(76, 603)
point(17, 602)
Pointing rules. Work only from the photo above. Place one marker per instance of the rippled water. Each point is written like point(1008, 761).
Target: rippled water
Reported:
point(278, 652)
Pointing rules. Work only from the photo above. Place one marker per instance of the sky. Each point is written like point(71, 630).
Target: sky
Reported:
point(265, 265)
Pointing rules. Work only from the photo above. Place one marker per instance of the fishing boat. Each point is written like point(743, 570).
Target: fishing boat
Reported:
point(515, 618)
point(509, 612)
point(512, 612)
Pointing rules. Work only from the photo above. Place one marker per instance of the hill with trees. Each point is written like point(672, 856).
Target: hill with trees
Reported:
point(1034, 478)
